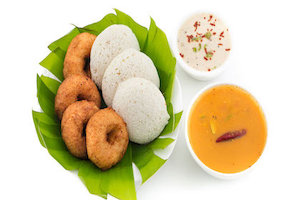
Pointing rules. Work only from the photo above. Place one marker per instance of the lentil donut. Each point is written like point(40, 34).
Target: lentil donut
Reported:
point(106, 138)
point(75, 88)
point(77, 59)
point(73, 125)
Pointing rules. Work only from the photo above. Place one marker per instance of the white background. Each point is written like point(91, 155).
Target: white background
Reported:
point(264, 59)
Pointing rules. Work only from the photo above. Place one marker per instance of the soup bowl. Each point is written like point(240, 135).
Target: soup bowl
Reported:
point(214, 173)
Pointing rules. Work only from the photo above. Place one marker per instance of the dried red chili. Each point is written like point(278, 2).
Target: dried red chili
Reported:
point(221, 34)
point(196, 24)
point(231, 135)
point(189, 37)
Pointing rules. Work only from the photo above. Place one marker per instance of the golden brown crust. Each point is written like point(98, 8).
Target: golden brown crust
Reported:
point(106, 138)
point(78, 55)
point(73, 125)
point(74, 88)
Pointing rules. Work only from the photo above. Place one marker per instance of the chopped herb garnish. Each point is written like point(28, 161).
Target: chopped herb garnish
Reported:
point(194, 49)
point(209, 54)
point(196, 38)
point(229, 117)
point(199, 47)
point(208, 35)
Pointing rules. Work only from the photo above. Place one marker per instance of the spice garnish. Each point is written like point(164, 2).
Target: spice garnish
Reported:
point(210, 17)
point(221, 34)
point(189, 37)
point(196, 24)
point(227, 49)
point(181, 55)
point(212, 24)
point(231, 135)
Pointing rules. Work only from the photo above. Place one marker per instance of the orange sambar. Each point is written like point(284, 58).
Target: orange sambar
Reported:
point(223, 109)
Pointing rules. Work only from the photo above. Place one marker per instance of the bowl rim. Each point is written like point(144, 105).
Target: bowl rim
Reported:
point(197, 74)
point(208, 170)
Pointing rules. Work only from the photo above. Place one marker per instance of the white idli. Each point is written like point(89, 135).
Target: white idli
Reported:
point(142, 106)
point(108, 44)
point(128, 64)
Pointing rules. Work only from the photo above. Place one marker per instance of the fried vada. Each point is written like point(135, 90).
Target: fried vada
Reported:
point(73, 125)
point(77, 59)
point(75, 88)
point(106, 138)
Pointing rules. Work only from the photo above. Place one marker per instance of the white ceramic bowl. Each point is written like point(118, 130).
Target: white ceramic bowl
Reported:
point(196, 74)
point(210, 171)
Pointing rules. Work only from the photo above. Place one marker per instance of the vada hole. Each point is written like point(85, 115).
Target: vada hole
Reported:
point(112, 135)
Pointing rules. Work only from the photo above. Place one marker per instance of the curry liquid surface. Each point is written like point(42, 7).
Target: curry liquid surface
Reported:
point(219, 110)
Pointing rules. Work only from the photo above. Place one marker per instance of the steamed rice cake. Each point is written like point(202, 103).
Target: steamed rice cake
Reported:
point(128, 64)
point(108, 44)
point(142, 106)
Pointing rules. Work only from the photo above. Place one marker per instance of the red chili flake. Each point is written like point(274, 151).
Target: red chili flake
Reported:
point(231, 135)
point(189, 37)
point(221, 34)
point(211, 29)
point(204, 17)
point(196, 24)
point(181, 55)
point(205, 58)
point(227, 49)
point(208, 70)
point(205, 50)
point(210, 17)
point(220, 44)
point(214, 33)
point(212, 24)
point(220, 38)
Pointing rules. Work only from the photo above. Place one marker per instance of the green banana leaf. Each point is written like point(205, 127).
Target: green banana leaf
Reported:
point(119, 180)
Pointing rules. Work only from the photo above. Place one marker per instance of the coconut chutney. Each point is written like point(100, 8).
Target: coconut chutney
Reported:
point(204, 42)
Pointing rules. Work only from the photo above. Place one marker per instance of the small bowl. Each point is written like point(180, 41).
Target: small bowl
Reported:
point(196, 74)
point(220, 175)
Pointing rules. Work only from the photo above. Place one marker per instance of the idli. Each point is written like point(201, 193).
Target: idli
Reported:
point(128, 64)
point(108, 44)
point(142, 106)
